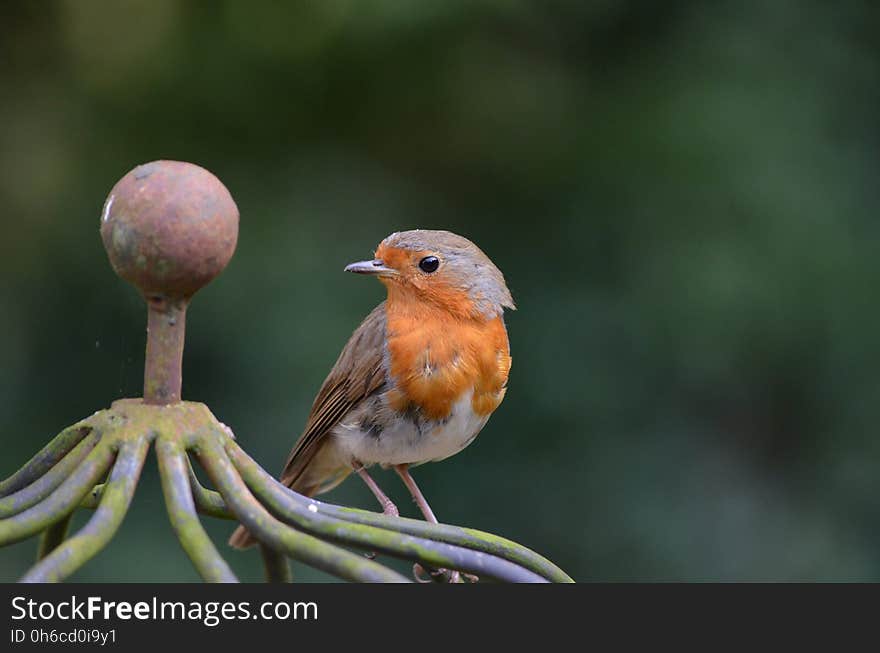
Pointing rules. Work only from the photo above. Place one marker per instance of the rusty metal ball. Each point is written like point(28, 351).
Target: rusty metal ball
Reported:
point(169, 228)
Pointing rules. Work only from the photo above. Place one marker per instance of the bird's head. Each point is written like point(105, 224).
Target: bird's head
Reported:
point(439, 267)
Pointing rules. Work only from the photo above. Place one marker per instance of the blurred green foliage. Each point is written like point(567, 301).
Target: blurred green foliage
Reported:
point(682, 196)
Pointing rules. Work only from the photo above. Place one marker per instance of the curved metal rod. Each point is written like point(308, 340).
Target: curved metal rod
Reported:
point(93, 498)
point(62, 501)
point(297, 545)
point(45, 458)
point(435, 554)
point(470, 538)
point(101, 528)
point(275, 564)
point(207, 501)
point(182, 514)
point(465, 537)
point(32, 494)
point(53, 536)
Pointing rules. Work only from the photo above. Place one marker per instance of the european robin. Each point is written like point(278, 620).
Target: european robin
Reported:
point(418, 379)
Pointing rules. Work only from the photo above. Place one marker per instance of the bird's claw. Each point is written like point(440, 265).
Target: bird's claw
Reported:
point(420, 575)
point(439, 575)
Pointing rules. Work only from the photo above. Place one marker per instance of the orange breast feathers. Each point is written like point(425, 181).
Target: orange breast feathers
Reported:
point(437, 356)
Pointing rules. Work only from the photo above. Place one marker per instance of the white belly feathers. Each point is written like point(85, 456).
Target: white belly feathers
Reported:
point(410, 441)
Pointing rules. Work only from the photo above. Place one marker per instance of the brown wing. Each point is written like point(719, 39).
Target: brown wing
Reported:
point(357, 374)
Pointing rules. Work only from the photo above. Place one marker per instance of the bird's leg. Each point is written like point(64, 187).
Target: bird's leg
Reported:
point(388, 506)
point(418, 497)
point(422, 503)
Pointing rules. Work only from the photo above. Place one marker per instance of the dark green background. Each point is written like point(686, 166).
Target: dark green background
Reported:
point(683, 197)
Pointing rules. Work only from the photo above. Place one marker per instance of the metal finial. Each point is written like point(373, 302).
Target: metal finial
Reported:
point(169, 228)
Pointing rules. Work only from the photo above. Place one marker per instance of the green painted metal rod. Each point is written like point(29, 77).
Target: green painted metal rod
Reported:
point(300, 546)
point(464, 537)
point(32, 494)
point(470, 538)
point(62, 501)
point(401, 545)
point(100, 529)
point(182, 513)
point(53, 536)
point(276, 565)
point(207, 502)
point(93, 498)
point(44, 459)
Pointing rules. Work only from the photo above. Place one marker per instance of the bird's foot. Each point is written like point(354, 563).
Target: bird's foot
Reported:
point(429, 575)
point(420, 575)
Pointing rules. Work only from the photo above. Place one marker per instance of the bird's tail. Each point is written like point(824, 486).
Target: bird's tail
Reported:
point(242, 538)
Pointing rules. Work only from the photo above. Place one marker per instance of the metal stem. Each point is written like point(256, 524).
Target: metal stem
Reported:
point(182, 514)
point(166, 328)
point(101, 528)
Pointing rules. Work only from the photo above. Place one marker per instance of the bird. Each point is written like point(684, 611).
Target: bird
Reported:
point(418, 379)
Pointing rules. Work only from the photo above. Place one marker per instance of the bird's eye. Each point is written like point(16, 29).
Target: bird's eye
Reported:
point(429, 264)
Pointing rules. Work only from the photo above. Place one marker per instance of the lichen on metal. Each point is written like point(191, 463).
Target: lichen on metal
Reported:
point(169, 228)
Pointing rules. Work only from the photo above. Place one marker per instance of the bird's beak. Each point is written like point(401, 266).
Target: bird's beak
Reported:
point(376, 266)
